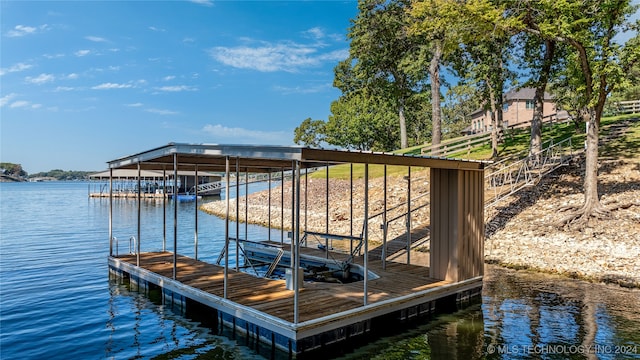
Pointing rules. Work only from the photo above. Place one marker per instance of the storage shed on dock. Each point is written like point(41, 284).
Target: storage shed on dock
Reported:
point(293, 315)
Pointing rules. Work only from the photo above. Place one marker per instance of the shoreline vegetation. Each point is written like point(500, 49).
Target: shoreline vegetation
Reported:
point(521, 231)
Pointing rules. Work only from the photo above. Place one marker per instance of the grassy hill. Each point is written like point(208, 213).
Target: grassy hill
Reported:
point(517, 141)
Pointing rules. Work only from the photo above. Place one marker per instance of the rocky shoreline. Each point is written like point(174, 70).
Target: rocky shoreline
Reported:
point(520, 230)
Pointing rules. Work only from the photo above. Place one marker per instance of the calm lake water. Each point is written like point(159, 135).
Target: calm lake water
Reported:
point(57, 302)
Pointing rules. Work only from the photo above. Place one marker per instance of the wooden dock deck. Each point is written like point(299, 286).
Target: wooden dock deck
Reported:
point(326, 310)
point(272, 297)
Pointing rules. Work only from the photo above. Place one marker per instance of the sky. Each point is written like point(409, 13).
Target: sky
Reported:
point(85, 82)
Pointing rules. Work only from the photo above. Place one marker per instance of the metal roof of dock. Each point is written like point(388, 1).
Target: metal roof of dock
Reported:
point(133, 173)
point(268, 158)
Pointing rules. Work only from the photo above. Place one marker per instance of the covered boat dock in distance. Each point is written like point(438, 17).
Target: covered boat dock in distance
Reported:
point(152, 183)
point(299, 317)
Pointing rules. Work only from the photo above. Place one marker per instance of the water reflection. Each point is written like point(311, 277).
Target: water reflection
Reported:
point(529, 315)
point(526, 316)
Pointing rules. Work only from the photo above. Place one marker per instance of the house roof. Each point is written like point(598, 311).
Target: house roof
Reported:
point(526, 93)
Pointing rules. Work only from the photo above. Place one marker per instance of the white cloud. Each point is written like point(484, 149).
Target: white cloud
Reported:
point(19, 104)
point(225, 134)
point(207, 3)
point(176, 88)
point(5, 99)
point(302, 89)
point(315, 33)
point(53, 56)
point(169, 77)
point(22, 30)
point(95, 38)
point(63, 88)
point(81, 53)
point(106, 86)
point(153, 28)
point(288, 57)
point(15, 68)
point(134, 105)
point(162, 111)
point(72, 76)
point(40, 79)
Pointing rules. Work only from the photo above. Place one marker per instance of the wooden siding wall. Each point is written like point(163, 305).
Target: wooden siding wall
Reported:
point(457, 224)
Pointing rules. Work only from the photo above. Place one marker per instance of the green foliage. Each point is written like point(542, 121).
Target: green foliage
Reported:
point(362, 121)
point(385, 60)
point(63, 175)
point(629, 87)
point(310, 133)
point(14, 170)
point(462, 100)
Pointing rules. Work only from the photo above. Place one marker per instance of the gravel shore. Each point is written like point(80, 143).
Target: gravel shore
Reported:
point(520, 231)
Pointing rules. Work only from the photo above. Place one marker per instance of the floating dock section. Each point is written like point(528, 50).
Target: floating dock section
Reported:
point(294, 316)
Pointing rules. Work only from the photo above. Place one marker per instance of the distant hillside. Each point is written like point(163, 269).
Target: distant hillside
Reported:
point(12, 172)
point(62, 175)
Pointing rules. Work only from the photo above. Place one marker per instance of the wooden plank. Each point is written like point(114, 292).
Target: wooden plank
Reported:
point(271, 296)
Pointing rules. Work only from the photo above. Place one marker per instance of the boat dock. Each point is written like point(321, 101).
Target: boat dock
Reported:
point(294, 316)
point(153, 184)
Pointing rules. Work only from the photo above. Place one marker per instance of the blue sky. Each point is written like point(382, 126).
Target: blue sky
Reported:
point(84, 82)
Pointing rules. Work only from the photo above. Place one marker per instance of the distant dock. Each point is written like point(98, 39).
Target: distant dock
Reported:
point(292, 315)
point(124, 183)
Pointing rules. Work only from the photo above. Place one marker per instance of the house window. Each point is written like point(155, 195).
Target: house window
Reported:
point(530, 105)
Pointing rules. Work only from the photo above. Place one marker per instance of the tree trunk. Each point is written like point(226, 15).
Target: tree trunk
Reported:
point(434, 73)
point(494, 124)
point(591, 164)
point(535, 146)
point(403, 125)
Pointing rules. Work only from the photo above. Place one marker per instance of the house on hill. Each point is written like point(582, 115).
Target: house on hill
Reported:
point(517, 109)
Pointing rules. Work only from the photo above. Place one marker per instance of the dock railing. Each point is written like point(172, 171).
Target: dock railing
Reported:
point(132, 245)
point(508, 176)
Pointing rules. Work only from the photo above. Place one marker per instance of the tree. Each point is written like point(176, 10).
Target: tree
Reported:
point(14, 170)
point(538, 59)
point(588, 27)
point(310, 133)
point(386, 56)
point(483, 62)
point(466, 33)
point(439, 23)
point(362, 121)
point(629, 88)
point(462, 100)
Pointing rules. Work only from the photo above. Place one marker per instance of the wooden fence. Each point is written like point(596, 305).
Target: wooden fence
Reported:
point(627, 107)
point(468, 142)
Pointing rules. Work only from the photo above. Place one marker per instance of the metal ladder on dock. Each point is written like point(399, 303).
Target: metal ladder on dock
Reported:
point(274, 263)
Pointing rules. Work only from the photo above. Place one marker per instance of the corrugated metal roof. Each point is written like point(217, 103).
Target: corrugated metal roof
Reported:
point(133, 173)
point(264, 158)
